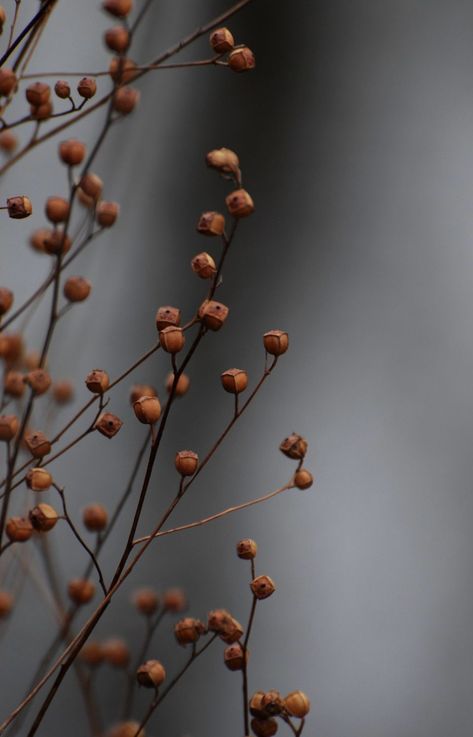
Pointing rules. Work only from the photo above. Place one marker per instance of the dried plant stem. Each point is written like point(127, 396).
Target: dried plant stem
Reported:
point(244, 645)
point(26, 30)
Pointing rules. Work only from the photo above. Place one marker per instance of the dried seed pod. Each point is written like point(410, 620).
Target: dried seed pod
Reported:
point(38, 479)
point(125, 99)
point(123, 70)
point(38, 93)
point(39, 380)
point(76, 288)
point(80, 590)
point(6, 300)
point(294, 446)
point(106, 213)
point(6, 603)
point(9, 425)
point(62, 89)
point(7, 81)
point(95, 517)
point(223, 159)
point(234, 380)
point(118, 8)
point(303, 479)
point(141, 390)
point(87, 87)
point(172, 339)
point(204, 266)
point(43, 517)
point(19, 207)
point(18, 529)
point(264, 727)
point(167, 316)
point(57, 242)
point(57, 209)
point(233, 632)
point(41, 112)
point(262, 587)
point(37, 444)
point(116, 652)
point(276, 342)
point(92, 185)
point(117, 39)
point(151, 674)
point(297, 704)
point(239, 203)
point(235, 657)
point(146, 601)
point(3, 18)
point(213, 314)
point(211, 223)
point(189, 630)
point(241, 59)
point(186, 462)
point(174, 600)
point(72, 152)
point(246, 549)
point(147, 410)
point(11, 347)
point(108, 424)
point(273, 703)
point(221, 40)
point(256, 705)
point(126, 729)
point(91, 654)
point(14, 384)
point(63, 391)
point(182, 386)
point(97, 381)
point(226, 626)
point(8, 141)
point(38, 238)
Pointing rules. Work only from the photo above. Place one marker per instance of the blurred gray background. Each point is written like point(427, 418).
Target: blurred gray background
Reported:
point(355, 136)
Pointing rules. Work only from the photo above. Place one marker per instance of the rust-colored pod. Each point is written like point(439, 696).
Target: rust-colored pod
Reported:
point(219, 620)
point(241, 59)
point(276, 342)
point(76, 288)
point(38, 479)
point(91, 185)
point(72, 152)
point(38, 238)
point(256, 705)
point(213, 314)
point(239, 203)
point(8, 141)
point(57, 242)
point(234, 380)
point(232, 632)
point(273, 702)
point(221, 40)
point(95, 517)
point(106, 213)
point(11, 347)
point(62, 89)
point(297, 704)
point(91, 654)
point(6, 603)
point(118, 8)
point(235, 657)
point(116, 652)
point(204, 266)
point(9, 425)
point(39, 380)
point(125, 99)
point(18, 529)
point(63, 391)
point(41, 112)
point(264, 727)
point(117, 39)
point(172, 339)
point(19, 206)
point(189, 630)
point(223, 159)
point(246, 549)
point(37, 443)
point(7, 81)
point(3, 18)
point(6, 300)
point(186, 462)
point(174, 600)
point(43, 517)
point(147, 410)
point(123, 70)
point(80, 590)
point(141, 390)
point(151, 674)
point(146, 601)
point(57, 209)
point(211, 223)
point(182, 386)
point(87, 87)
point(14, 384)
point(294, 446)
point(303, 479)
point(108, 424)
point(38, 93)
point(167, 316)
point(262, 587)
point(126, 729)
point(97, 381)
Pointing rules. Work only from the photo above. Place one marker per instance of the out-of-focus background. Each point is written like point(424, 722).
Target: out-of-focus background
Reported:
point(355, 136)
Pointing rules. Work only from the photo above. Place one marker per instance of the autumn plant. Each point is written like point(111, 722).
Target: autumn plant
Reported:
point(33, 499)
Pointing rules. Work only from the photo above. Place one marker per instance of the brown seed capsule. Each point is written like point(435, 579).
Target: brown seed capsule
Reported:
point(123, 70)
point(6, 603)
point(141, 390)
point(235, 657)
point(91, 653)
point(116, 652)
point(38, 238)
point(76, 288)
point(57, 209)
point(117, 39)
point(57, 242)
point(6, 300)
point(247, 549)
point(11, 347)
point(37, 444)
point(38, 93)
point(223, 159)
point(92, 185)
point(118, 8)
point(107, 213)
point(18, 529)
point(239, 203)
point(72, 152)
point(303, 479)
point(125, 99)
point(151, 674)
point(3, 17)
point(256, 705)
point(9, 425)
point(172, 339)
point(8, 141)
point(146, 601)
point(294, 446)
point(43, 517)
point(276, 342)
point(97, 381)
point(204, 266)
point(38, 479)
point(63, 391)
point(264, 727)
point(232, 632)
point(188, 630)
point(297, 704)
point(19, 207)
point(211, 223)
point(87, 87)
point(166, 316)
point(174, 600)
point(39, 380)
point(14, 384)
point(7, 81)
point(221, 40)
point(95, 517)
point(62, 89)
point(273, 703)
point(147, 410)
point(213, 314)
point(226, 626)
point(108, 424)
point(262, 587)
point(80, 590)
point(41, 112)
point(186, 462)
point(234, 380)
point(182, 386)
point(241, 59)
point(126, 729)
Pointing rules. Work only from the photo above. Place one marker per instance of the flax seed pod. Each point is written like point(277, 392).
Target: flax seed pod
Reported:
point(189, 630)
point(38, 238)
point(182, 386)
point(125, 99)
point(276, 342)
point(141, 390)
point(37, 443)
point(91, 654)
point(3, 18)
point(63, 391)
point(9, 425)
point(43, 517)
point(235, 657)
point(117, 39)
point(147, 410)
point(232, 632)
point(72, 152)
point(294, 446)
point(19, 206)
point(7, 81)
point(57, 209)
point(76, 288)
point(57, 242)
point(186, 462)
point(6, 300)
point(264, 727)
point(151, 674)
point(262, 587)
point(14, 384)
point(11, 347)
point(38, 479)
point(204, 266)
point(6, 603)
point(227, 627)
point(92, 185)
point(122, 70)
point(241, 59)
point(95, 517)
point(18, 529)
point(62, 89)
point(108, 425)
point(303, 479)
point(174, 600)
point(97, 381)
point(38, 380)
point(167, 316)
point(126, 729)
point(146, 601)
point(211, 223)
point(234, 380)
point(38, 93)
point(224, 160)
point(118, 8)
point(80, 591)
point(106, 213)
point(41, 112)
point(247, 549)
point(297, 704)
point(213, 314)
point(273, 703)
point(256, 705)
point(239, 203)
point(172, 339)
point(116, 652)
point(8, 141)
point(87, 87)
point(221, 40)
